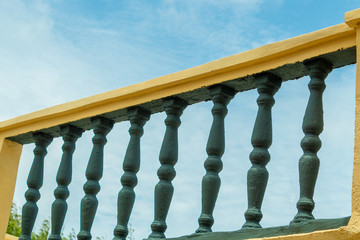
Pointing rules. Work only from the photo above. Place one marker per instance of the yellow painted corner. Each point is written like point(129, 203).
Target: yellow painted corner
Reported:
point(352, 18)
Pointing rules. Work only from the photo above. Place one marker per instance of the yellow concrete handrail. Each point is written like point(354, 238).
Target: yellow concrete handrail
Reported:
point(261, 59)
point(265, 58)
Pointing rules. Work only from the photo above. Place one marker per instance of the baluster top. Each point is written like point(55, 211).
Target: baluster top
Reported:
point(318, 67)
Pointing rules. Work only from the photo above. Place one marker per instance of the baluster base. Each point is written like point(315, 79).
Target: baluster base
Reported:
point(54, 237)
point(302, 217)
point(305, 207)
point(155, 235)
point(158, 228)
point(251, 224)
point(253, 217)
point(120, 232)
point(23, 237)
point(84, 235)
point(205, 222)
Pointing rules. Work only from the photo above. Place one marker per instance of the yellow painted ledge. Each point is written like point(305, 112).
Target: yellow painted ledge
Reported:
point(344, 233)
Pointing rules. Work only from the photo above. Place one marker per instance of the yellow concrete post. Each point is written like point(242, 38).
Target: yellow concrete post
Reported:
point(352, 18)
point(10, 153)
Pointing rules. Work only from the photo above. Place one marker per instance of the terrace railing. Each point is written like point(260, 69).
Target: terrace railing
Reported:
point(265, 68)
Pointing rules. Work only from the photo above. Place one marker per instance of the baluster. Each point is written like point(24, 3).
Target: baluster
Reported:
point(257, 177)
point(221, 96)
point(102, 126)
point(69, 134)
point(131, 165)
point(168, 158)
point(34, 182)
point(311, 143)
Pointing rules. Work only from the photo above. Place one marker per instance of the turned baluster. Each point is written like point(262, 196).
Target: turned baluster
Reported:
point(168, 158)
point(34, 182)
point(221, 96)
point(94, 171)
point(131, 165)
point(69, 134)
point(311, 143)
point(257, 177)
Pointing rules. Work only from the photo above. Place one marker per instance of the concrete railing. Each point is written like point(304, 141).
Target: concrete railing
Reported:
point(265, 68)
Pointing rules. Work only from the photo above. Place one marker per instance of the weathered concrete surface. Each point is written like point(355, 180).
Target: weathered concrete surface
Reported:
point(310, 226)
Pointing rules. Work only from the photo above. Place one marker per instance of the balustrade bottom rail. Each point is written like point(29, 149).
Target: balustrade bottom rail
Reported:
point(308, 227)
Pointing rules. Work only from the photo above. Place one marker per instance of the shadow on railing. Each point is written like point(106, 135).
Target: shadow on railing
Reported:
point(265, 68)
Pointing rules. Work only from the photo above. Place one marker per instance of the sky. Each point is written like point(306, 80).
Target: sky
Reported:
point(52, 52)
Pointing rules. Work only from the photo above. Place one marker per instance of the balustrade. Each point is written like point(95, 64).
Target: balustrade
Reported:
point(70, 134)
point(267, 86)
point(312, 126)
point(34, 182)
point(174, 108)
point(223, 84)
point(94, 171)
point(221, 96)
point(126, 199)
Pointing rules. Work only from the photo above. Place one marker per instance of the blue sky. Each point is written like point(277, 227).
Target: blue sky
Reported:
point(52, 52)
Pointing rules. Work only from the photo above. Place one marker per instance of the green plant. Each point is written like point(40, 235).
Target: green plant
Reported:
point(43, 233)
point(14, 228)
point(71, 235)
point(14, 224)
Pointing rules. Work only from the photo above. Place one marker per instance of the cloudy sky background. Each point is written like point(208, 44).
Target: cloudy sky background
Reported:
point(53, 52)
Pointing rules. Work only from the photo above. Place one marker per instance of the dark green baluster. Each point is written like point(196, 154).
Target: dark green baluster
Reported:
point(34, 182)
point(267, 86)
point(311, 143)
point(168, 158)
point(70, 134)
point(94, 171)
point(221, 96)
point(131, 165)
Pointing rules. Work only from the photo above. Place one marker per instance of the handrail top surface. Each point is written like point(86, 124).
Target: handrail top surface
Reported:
point(271, 56)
